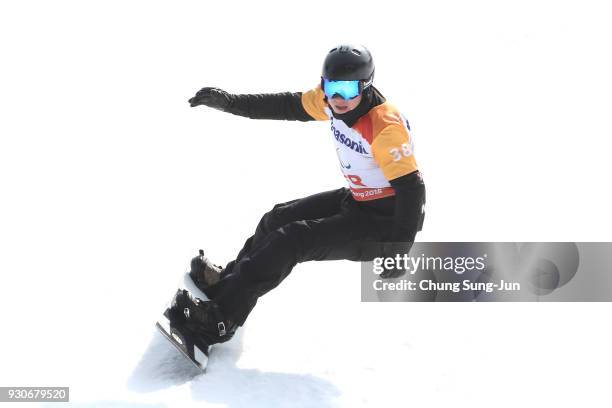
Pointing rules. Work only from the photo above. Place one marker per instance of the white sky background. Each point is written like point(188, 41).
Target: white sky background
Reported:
point(110, 181)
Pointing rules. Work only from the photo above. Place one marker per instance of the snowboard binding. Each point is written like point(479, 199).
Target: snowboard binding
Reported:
point(192, 322)
point(203, 272)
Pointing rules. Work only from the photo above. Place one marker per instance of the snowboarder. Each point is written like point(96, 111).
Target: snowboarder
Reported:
point(378, 214)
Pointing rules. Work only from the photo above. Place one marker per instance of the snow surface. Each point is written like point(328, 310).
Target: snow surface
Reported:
point(110, 183)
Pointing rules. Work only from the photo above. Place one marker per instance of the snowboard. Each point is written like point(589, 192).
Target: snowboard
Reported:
point(179, 336)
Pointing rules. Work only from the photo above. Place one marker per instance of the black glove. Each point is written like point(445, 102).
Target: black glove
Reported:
point(391, 250)
point(213, 97)
point(392, 273)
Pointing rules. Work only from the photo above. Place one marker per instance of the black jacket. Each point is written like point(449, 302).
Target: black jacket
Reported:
point(407, 204)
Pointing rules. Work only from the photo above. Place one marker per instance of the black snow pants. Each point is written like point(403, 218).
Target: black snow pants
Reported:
point(325, 226)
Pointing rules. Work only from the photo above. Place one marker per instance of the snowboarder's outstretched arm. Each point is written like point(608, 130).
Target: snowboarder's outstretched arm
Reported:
point(281, 106)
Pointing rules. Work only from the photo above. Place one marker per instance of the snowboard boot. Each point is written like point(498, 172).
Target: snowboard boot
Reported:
point(200, 320)
point(203, 272)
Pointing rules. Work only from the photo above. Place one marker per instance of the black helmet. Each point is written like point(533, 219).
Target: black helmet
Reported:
point(348, 63)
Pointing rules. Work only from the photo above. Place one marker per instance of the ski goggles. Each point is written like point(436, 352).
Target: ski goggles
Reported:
point(346, 89)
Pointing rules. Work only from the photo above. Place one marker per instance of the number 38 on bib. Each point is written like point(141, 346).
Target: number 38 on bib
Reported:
point(404, 151)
